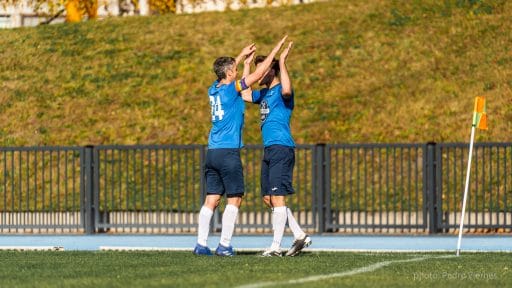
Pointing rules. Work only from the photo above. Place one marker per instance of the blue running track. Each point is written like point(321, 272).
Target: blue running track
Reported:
point(378, 243)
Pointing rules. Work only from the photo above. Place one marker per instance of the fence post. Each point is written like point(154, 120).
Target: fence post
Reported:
point(326, 191)
point(89, 191)
point(431, 169)
point(320, 186)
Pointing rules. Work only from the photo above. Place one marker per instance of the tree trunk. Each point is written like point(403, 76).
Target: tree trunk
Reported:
point(73, 13)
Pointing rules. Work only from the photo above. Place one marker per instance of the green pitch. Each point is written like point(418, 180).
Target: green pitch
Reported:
point(182, 269)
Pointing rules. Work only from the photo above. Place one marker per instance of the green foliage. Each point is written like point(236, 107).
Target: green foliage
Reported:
point(480, 6)
point(398, 19)
point(363, 71)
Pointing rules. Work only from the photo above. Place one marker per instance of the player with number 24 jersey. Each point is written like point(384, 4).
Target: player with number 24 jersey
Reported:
point(227, 107)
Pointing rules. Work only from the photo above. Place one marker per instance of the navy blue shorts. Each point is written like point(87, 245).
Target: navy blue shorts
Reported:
point(224, 172)
point(277, 170)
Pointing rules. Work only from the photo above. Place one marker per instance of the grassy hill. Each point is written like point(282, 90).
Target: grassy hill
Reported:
point(363, 71)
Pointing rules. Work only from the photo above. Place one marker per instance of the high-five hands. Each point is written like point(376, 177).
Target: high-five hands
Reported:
point(248, 49)
point(286, 51)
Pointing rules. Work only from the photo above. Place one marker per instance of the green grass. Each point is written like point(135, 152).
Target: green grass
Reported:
point(182, 269)
point(363, 71)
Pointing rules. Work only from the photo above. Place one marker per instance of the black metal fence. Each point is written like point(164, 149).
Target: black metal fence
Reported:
point(376, 188)
point(147, 188)
point(351, 188)
point(41, 189)
point(489, 203)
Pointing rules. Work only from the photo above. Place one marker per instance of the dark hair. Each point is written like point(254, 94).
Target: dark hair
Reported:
point(274, 66)
point(221, 65)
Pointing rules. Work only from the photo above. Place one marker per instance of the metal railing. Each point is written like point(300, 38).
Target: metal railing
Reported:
point(41, 190)
point(353, 188)
point(489, 203)
point(254, 216)
point(376, 188)
point(147, 188)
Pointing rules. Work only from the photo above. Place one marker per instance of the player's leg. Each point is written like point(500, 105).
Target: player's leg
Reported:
point(297, 231)
point(229, 218)
point(299, 243)
point(301, 239)
point(203, 229)
point(214, 189)
point(265, 194)
point(233, 180)
point(279, 218)
point(265, 183)
point(274, 159)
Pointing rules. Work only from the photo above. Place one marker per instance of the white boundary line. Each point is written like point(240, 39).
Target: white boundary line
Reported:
point(360, 270)
point(135, 248)
point(127, 248)
point(370, 250)
point(32, 248)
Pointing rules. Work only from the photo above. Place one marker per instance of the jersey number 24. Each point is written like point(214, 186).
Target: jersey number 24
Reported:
point(217, 112)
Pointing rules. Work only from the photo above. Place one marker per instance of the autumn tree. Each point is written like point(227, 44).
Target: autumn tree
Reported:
point(75, 10)
point(158, 6)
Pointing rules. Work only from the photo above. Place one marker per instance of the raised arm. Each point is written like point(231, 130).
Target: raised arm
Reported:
point(263, 67)
point(247, 64)
point(286, 84)
point(245, 52)
point(247, 93)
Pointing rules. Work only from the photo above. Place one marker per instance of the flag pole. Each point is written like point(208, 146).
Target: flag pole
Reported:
point(480, 121)
point(466, 189)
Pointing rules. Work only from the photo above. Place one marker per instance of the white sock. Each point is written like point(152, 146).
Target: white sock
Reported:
point(228, 224)
point(205, 215)
point(278, 224)
point(298, 233)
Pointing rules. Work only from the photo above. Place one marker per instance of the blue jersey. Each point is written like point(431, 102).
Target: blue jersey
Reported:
point(227, 108)
point(275, 112)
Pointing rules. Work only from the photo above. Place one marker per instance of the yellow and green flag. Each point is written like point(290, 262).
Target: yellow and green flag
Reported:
point(479, 113)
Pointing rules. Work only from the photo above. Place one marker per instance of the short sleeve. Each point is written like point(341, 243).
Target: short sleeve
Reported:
point(232, 90)
point(289, 102)
point(256, 96)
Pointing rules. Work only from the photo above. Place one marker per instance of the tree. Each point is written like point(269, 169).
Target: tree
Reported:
point(76, 10)
point(159, 6)
point(162, 6)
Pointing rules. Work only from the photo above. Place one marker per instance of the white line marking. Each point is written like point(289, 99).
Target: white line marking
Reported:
point(32, 248)
point(370, 250)
point(126, 248)
point(190, 249)
point(365, 269)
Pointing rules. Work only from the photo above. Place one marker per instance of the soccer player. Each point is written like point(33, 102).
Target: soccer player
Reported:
point(276, 105)
point(224, 174)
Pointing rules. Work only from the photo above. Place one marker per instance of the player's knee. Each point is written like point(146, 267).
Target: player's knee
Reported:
point(266, 200)
point(277, 201)
point(235, 200)
point(212, 201)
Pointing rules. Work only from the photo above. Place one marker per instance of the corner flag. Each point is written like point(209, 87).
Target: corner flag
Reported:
point(480, 122)
point(479, 113)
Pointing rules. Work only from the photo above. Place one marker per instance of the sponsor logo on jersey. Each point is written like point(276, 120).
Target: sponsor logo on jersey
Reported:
point(264, 110)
